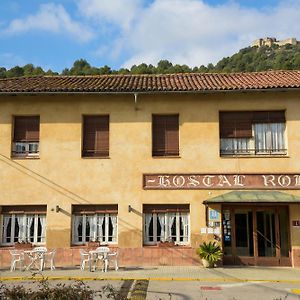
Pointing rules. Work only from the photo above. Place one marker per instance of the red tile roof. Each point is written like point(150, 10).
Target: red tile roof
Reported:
point(190, 82)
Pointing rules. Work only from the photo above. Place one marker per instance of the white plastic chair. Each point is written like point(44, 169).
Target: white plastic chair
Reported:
point(49, 258)
point(16, 257)
point(40, 253)
point(84, 258)
point(103, 256)
point(40, 249)
point(113, 257)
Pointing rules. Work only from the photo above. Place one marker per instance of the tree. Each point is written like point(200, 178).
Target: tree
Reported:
point(15, 72)
point(2, 72)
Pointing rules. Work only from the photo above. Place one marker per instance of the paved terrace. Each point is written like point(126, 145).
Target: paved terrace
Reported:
point(193, 273)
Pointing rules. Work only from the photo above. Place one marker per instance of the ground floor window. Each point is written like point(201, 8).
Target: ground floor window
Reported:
point(23, 228)
point(95, 223)
point(166, 224)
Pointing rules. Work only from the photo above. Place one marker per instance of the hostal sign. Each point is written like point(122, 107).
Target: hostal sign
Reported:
point(221, 181)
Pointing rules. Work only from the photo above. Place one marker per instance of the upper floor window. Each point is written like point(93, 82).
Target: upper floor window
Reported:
point(95, 223)
point(95, 136)
point(166, 223)
point(26, 136)
point(23, 224)
point(165, 135)
point(252, 133)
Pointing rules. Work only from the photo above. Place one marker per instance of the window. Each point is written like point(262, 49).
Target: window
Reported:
point(95, 136)
point(20, 226)
point(166, 223)
point(252, 133)
point(165, 135)
point(95, 223)
point(26, 136)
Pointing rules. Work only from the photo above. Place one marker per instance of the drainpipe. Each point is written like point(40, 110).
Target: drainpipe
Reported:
point(135, 101)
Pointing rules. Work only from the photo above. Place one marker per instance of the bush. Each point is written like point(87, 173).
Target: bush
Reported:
point(76, 291)
point(210, 252)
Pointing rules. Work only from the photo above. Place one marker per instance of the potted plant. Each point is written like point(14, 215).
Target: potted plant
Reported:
point(210, 253)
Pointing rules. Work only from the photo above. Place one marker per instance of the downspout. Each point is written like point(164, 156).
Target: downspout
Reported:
point(135, 101)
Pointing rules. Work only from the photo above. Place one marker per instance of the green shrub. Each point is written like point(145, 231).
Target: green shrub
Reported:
point(211, 252)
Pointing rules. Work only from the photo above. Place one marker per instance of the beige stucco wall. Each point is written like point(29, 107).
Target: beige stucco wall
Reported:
point(61, 177)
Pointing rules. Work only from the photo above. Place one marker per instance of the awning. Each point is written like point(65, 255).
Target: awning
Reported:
point(254, 197)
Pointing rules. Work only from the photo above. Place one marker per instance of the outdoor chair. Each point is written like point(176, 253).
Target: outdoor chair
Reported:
point(113, 257)
point(49, 259)
point(16, 257)
point(84, 258)
point(103, 256)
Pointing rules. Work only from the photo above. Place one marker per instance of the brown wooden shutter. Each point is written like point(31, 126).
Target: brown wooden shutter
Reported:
point(27, 129)
point(236, 124)
point(269, 116)
point(165, 135)
point(95, 136)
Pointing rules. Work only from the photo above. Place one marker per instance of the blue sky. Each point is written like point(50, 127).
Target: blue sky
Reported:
point(120, 33)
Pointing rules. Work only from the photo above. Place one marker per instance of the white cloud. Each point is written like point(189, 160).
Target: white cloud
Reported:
point(52, 18)
point(118, 12)
point(9, 60)
point(188, 31)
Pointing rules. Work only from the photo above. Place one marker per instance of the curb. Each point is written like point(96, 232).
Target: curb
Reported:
point(65, 278)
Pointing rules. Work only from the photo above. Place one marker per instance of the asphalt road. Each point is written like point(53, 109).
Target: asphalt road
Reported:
point(195, 290)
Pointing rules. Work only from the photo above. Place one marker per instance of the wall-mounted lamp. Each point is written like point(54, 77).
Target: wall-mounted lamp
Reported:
point(129, 208)
point(57, 208)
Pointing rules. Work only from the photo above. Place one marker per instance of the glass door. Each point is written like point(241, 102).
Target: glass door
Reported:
point(243, 233)
point(256, 235)
point(266, 233)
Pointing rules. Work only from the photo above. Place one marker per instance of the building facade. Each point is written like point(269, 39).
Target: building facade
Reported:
point(153, 165)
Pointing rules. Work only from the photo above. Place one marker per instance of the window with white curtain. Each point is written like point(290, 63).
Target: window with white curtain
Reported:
point(95, 227)
point(269, 137)
point(166, 226)
point(23, 228)
point(253, 133)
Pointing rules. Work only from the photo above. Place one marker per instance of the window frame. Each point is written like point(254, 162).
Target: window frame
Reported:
point(105, 236)
point(25, 216)
point(155, 241)
point(252, 149)
point(84, 151)
point(25, 143)
point(165, 152)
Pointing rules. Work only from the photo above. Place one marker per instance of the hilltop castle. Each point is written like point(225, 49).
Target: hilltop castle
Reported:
point(269, 41)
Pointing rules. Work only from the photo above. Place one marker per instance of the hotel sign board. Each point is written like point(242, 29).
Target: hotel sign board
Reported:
point(221, 181)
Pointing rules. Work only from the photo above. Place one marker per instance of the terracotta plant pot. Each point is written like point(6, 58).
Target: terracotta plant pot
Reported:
point(206, 263)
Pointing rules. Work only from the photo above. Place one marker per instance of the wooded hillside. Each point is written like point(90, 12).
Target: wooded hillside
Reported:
point(249, 59)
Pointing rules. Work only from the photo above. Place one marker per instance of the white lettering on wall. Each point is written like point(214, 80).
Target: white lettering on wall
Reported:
point(178, 181)
point(223, 180)
point(297, 180)
point(193, 181)
point(164, 181)
point(238, 180)
point(207, 180)
point(269, 179)
point(284, 180)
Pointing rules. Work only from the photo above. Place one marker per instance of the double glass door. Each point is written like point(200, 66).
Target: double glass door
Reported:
point(256, 235)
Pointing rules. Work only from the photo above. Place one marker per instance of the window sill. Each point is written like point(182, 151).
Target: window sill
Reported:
point(162, 157)
point(86, 246)
point(21, 157)
point(256, 156)
point(188, 246)
point(95, 157)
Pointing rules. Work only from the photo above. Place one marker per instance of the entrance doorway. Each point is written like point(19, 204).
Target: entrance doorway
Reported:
point(256, 235)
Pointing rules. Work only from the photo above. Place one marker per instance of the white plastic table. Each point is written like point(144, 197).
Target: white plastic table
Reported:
point(36, 258)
